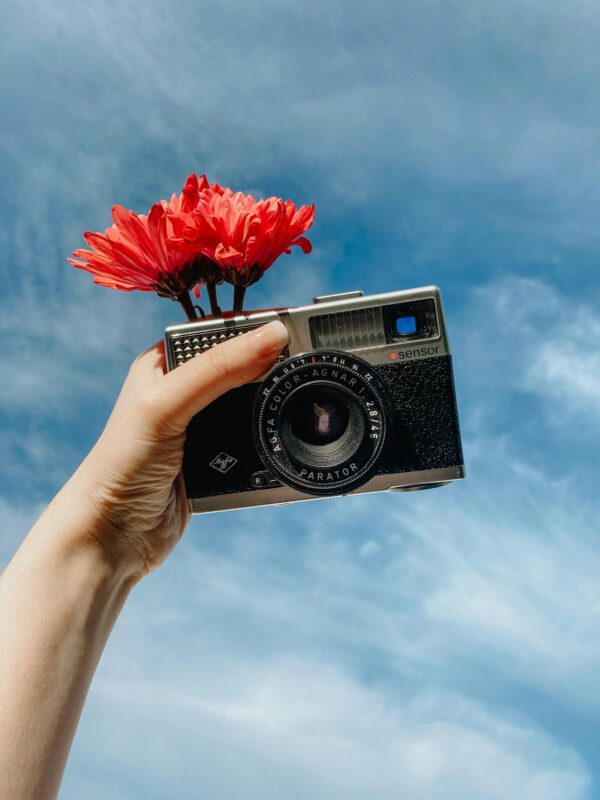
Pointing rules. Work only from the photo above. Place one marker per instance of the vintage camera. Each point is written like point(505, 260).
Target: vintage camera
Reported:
point(361, 400)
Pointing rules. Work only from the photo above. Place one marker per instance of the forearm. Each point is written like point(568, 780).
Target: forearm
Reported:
point(58, 602)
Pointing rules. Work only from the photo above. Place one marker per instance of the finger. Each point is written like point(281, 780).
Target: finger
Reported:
point(192, 386)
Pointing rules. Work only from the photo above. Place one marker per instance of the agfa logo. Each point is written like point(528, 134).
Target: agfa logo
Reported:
point(223, 462)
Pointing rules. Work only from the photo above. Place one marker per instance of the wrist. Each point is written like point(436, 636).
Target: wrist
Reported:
point(75, 528)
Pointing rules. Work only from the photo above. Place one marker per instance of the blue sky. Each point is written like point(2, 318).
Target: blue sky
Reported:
point(443, 645)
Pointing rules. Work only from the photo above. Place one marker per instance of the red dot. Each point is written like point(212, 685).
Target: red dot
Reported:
point(393, 355)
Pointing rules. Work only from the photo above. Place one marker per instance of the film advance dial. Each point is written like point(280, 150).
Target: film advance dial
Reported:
point(320, 421)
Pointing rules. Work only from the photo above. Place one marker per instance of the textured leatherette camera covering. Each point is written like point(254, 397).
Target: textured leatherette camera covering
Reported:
point(424, 404)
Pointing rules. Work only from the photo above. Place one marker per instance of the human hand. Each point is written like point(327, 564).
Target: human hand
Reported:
point(128, 495)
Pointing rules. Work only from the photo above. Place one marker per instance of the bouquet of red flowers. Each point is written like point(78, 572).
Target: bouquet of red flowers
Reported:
point(206, 235)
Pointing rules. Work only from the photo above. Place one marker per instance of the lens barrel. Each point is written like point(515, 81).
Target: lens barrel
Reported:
point(320, 421)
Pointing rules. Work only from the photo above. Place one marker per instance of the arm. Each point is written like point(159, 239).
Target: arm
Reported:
point(118, 518)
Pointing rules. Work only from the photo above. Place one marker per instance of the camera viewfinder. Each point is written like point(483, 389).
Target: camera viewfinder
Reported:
point(413, 320)
point(406, 325)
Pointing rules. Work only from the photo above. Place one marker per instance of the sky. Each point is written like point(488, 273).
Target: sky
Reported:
point(443, 644)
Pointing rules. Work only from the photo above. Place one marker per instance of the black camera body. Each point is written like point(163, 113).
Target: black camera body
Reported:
point(361, 400)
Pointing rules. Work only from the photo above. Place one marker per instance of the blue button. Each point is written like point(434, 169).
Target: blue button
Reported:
point(406, 325)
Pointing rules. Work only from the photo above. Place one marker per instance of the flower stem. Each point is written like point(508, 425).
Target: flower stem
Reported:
point(211, 288)
point(186, 302)
point(238, 298)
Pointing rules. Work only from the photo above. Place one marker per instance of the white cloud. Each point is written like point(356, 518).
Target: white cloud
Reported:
point(370, 548)
point(75, 349)
point(510, 577)
point(566, 366)
point(368, 101)
point(304, 729)
point(521, 335)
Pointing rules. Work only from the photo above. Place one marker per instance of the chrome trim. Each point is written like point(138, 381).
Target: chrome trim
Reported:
point(297, 322)
point(282, 495)
point(338, 298)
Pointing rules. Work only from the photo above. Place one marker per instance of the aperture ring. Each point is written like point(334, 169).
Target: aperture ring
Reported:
point(351, 375)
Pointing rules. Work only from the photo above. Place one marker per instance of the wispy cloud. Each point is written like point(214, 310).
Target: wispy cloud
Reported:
point(523, 336)
point(305, 729)
point(566, 370)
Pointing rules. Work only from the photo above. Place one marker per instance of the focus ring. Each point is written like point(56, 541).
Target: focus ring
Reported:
point(355, 383)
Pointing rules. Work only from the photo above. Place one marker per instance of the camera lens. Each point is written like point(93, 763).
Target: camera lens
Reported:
point(319, 422)
point(317, 416)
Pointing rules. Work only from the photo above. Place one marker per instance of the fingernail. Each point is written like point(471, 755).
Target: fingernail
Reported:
point(271, 339)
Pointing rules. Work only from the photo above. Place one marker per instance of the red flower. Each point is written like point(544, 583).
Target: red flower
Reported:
point(244, 236)
point(135, 253)
point(179, 211)
point(206, 235)
point(141, 251)
point(195, 187)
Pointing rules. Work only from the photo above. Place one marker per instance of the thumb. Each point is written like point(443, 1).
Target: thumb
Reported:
point(192, 386)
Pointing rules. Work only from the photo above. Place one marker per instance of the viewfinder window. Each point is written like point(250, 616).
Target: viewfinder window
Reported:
point(405, 326)
point(411, 319)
